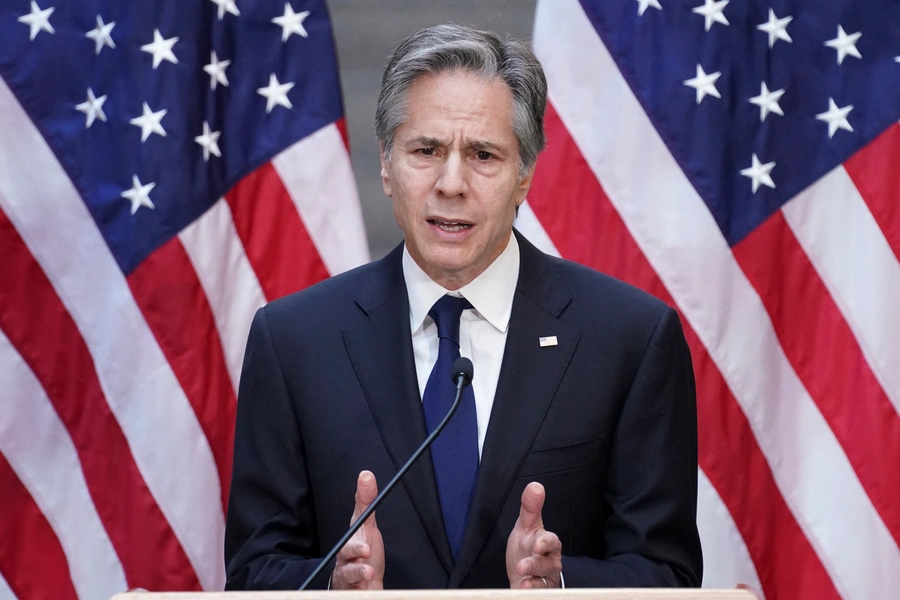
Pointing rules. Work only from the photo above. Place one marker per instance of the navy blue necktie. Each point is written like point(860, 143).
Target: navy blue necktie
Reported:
point(455, 451)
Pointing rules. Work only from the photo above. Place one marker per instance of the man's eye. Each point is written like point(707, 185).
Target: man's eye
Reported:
point(483, 155)
point(426, 151)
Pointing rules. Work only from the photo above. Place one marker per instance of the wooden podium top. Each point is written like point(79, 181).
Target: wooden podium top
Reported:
point(557, 594)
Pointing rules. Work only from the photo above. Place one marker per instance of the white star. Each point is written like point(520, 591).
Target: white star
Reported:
point(38, 20)
point(836, 117)
point(644, 4)
point(139, 195)
point(92, 107)
point(150, 122)
point(227, 5)
point(291, 22)
point(767, 102)
point(704, 84)
point(101, 34)
point(845, 44)
point(712, 10)
point(276, 93)
point(759, 174)
point(210, 142)
point(897, 59)
point(216, 69)
point(161, 49)
point(776, 28)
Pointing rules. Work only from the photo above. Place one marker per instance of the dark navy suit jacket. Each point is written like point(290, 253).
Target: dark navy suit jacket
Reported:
point(605, 420)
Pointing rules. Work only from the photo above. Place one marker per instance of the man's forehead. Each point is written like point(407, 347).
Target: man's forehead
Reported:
point(455, 76)
point(450, 110)
point(456, 93)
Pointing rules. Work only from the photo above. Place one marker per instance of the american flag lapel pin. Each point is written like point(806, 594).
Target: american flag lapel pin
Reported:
point(548, 341)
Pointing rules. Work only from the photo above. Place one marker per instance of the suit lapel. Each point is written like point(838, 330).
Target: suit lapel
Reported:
point(381, 352)
point(528, 381)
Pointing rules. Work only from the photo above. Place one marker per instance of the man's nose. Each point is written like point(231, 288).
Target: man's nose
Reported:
point(453, 178)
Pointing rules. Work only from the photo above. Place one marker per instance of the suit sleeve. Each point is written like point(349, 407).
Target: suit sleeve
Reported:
point(650, 536)
point(270, 526)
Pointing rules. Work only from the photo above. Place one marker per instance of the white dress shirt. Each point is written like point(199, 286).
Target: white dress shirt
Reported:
point(482, 332)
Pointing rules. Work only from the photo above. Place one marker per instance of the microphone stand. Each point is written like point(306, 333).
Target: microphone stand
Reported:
point(463, 378)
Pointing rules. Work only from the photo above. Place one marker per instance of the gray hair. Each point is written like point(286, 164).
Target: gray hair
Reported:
point(444, 48)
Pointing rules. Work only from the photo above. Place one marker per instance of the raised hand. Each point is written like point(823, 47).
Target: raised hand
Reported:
point(360, 563)
point(533, 554)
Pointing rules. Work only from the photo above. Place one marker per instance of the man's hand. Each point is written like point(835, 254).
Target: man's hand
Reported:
point(533, 554)
point(360, 563)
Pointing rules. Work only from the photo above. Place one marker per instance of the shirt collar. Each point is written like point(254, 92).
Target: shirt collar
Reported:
point(491, 293)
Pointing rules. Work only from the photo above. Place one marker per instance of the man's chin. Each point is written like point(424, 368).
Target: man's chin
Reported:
point(455, 266)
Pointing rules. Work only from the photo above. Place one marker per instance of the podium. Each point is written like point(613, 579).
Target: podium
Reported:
point(498, 594)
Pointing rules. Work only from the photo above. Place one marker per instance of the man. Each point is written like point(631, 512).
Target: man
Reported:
point(575, 463)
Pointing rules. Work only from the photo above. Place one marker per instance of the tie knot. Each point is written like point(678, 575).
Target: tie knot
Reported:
point(446, 313)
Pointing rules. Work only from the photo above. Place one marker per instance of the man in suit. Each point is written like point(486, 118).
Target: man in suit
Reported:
point(574, 460)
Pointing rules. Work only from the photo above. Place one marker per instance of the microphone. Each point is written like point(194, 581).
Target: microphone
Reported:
point(462, 367)
point(461, 375)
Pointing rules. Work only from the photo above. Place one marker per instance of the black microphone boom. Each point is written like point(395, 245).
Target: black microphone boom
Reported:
point(461, 375)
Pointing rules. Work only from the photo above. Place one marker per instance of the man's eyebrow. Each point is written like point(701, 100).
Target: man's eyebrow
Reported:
point(425, 141)
point(432, 142)
point(484, 145)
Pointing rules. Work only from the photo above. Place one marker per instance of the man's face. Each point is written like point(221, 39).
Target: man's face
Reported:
point(454, 175)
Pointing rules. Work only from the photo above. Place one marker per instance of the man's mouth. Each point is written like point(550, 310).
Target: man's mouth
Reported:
point(449, 226)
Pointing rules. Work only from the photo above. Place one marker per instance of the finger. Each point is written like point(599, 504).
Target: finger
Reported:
point(539, 566)
point(532, 503)
point(534, 583)
point(356, 573)
point(366, 490)
point(353, 550)
point(547, 543)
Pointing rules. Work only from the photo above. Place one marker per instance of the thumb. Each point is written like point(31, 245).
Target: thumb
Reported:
point(532, 504)
point(366, 490)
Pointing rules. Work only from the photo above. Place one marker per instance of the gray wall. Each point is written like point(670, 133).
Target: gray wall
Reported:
point(366, 32)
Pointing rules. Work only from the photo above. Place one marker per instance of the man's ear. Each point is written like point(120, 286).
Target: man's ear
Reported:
point(524, 184)
point(385, 172)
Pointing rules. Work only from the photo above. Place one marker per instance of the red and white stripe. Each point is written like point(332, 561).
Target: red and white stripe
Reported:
point(790, 332)
point(49, 489)
point(6, 592)
point(119, 392)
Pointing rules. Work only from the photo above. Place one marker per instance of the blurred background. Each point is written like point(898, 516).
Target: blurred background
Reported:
point(366, 33)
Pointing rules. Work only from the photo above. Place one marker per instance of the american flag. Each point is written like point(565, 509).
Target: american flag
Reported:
point(741, 160)
point(166, 167)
